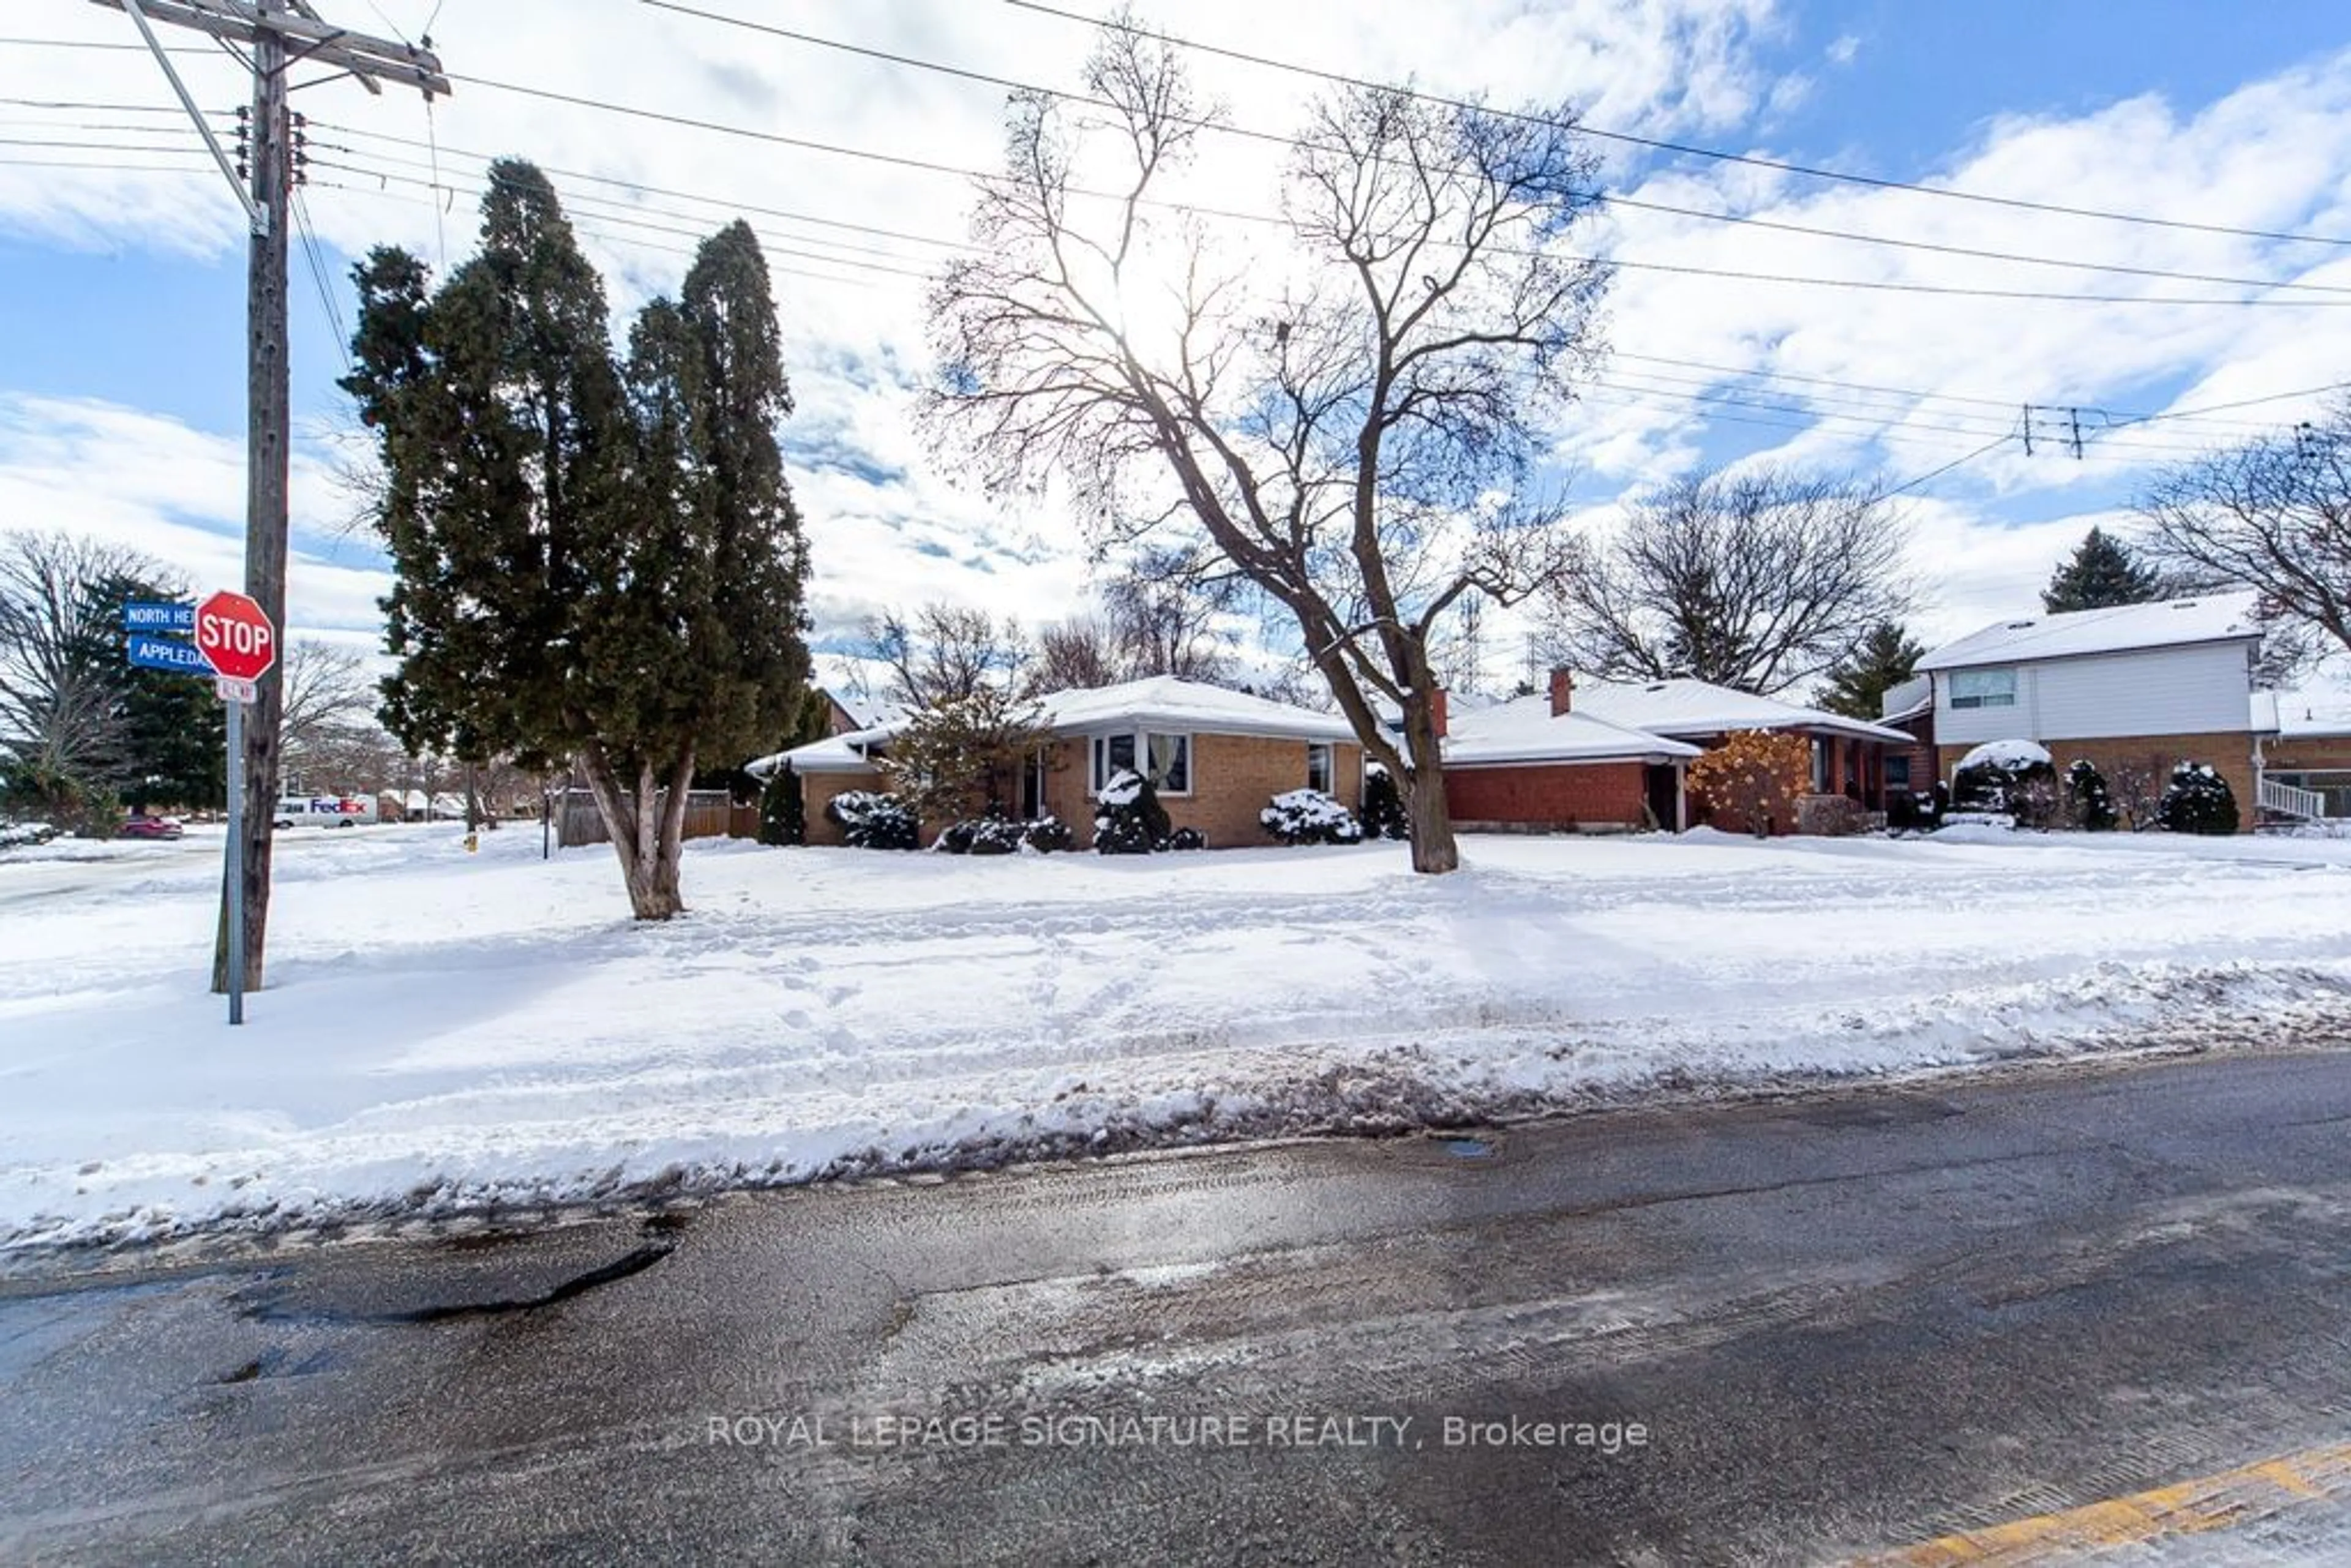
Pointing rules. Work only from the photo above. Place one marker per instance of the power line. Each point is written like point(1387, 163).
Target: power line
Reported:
point(1956, 462)
point(622, 218)
point(597, 234)
point(934, 166)
point(1013, 85)
point(1659, 145)
point(670, 192)
point(318, 268)
point(76, 146)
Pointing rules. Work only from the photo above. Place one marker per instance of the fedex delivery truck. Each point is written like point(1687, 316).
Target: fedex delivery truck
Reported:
point(326, 811)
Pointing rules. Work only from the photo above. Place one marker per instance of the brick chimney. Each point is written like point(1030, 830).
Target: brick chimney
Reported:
point(1563, 691)
point(1437, 711)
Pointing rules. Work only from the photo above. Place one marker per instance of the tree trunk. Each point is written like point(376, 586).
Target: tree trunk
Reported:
point(646, 832)
point(1429, 821)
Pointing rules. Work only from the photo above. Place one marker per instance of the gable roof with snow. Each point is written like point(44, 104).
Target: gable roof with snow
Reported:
point(1692, 708)
point(1525, 729)
point(2117, 628)
point(1158, 701)
point(1165, 702)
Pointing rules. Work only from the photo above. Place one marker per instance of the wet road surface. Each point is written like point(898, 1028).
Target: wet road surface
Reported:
point(1804, 1331)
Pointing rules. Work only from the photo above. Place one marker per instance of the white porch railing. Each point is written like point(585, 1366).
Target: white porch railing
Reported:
point(2292, 800)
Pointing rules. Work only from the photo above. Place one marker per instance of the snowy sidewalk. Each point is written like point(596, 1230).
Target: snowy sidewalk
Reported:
point(443, 1028)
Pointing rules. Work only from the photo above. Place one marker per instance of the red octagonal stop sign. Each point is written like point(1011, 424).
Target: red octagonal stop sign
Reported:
point(235, 636)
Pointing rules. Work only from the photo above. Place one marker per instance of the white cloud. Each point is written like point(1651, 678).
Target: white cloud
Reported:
point(1843, 48)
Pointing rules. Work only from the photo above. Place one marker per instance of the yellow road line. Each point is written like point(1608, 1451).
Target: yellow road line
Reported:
point(2187, 1508)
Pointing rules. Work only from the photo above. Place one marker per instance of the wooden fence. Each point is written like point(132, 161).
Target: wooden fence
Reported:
point(709, 814)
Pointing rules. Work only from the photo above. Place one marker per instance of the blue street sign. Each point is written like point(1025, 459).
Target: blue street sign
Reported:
point(158, 618)
point(164, 654)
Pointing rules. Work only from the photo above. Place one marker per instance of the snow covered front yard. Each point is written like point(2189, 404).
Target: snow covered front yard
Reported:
point(443, 1029)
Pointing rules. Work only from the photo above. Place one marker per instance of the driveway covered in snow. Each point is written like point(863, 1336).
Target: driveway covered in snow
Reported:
point(443, 1029)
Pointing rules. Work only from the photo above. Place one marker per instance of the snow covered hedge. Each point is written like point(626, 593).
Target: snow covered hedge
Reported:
point(2198, 800)
point(1130, 820)
point(1309, 817)
point(1005, 836)
point(2009, 777)
point(1128, 817)
point(871, 821)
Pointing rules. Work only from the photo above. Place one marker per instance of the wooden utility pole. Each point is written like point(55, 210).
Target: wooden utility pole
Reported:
point(278, 36)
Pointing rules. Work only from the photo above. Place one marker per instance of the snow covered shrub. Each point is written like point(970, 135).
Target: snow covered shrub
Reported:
point(781, 818)
point(1384, 814)
point(2014, 778)
point(1309, 817)
point(1913, 811)
point(1003, 836)
point(1752, 779)
point(1128, 817)
point(980, 836)
point(1186, 838)
point(2092, 804)
point(2198, 800)
point(871, 821)
point(1047, 835)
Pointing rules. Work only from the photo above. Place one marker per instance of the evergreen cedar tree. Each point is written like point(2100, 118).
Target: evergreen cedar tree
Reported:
point(595, 557)
point(1858, 683)
point(1755, 776)
point(2101, 573)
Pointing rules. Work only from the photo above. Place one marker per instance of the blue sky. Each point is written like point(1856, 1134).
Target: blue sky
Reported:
point(122, 292)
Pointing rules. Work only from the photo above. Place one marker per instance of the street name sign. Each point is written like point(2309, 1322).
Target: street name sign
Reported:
point(165, 653)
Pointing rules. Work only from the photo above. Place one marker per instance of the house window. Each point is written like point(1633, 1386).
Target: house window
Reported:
point(1112, 754)
point(1170, 764)
point(1820, 765)
point(1898, 773)
point(1318, 765)
point(1983, 688)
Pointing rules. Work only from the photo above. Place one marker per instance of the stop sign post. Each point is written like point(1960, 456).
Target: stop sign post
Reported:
point(238, 641)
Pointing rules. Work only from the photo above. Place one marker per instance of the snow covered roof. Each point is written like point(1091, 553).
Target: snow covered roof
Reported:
point(1525, 729)
point(1161, 702)
point(2302, 714)
point(2118, 629)
point(1685, 708)
point(1172, 704)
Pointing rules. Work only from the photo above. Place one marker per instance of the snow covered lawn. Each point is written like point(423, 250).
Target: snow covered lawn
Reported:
point(441, 1029)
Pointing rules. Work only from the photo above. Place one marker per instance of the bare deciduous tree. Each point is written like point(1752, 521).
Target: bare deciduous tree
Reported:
point(944, 653)
point(1159, 616)
point(2272, 514)
point(329, 697)
point(1757, 580)
point(60, 653)
point(1351, 418)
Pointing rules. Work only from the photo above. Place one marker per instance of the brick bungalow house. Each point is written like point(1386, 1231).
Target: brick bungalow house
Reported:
point(2132, 688)
point(1589, 753)
point(1538, 763)
point(1216, 757)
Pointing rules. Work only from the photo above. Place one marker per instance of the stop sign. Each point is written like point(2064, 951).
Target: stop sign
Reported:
point(235, 637)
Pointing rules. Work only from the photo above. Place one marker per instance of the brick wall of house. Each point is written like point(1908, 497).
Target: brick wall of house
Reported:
point(2231, 753)
point(1233, 777)
point(2318, 754)
point(1556, 795)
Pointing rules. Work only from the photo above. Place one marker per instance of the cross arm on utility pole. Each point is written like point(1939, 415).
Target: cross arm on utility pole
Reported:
point(305, 37)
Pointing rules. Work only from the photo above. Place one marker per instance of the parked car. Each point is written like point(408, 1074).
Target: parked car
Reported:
point(15, 835)
point(151, 828)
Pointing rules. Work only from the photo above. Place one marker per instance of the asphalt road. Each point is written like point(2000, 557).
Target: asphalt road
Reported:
point(1794, 1332)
